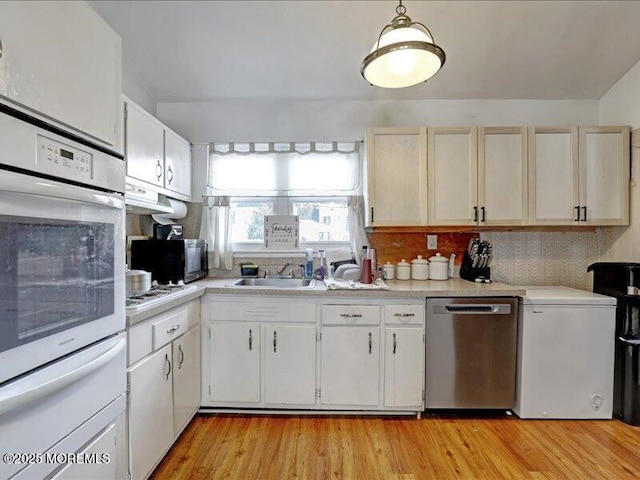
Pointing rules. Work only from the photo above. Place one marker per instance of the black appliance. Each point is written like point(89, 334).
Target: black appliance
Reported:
point(171, 261)
point(616, 279)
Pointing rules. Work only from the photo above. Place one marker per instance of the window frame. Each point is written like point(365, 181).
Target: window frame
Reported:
point(284, 206)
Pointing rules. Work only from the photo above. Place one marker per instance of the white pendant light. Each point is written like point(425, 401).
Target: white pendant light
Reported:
point(404, 55)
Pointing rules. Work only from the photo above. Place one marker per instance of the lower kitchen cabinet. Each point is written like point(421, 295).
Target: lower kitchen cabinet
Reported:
point(404, 351)
point(270, 362)
point(234, 358)
point(350, 366)
point(164, 383)
point(150, 412)
point(290, 364)
point(279, 352)
point(186, 378)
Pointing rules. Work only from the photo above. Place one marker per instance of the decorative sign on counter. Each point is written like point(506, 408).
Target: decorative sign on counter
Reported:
point(281, 232)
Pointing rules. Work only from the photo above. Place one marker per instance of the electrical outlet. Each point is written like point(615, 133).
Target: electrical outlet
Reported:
point(596, 401)
point(432, 242)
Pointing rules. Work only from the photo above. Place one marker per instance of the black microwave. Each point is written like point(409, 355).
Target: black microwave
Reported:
point(171, 260)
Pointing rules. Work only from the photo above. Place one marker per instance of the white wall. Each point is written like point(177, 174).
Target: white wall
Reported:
point(279, 120)
point(621, 104)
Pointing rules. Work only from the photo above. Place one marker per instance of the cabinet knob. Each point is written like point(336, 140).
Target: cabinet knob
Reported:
point(404, 315)
point(158, 170)
point(173, 329)
point(351, 315)
point(169, 175)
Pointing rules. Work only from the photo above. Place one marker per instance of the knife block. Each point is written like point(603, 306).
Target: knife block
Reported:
point(468, 272)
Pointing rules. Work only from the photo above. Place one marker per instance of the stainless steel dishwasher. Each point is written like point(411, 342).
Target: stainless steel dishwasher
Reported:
point(471, 352)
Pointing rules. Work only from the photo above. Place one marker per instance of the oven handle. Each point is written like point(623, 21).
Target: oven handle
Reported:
point(39, 384)
point(20, 183)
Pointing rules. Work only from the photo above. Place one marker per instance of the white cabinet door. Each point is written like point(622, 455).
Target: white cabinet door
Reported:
point(350, 366)
point(404, 367)
point(186, 378)
point(290, 364)
point(553, 176)
point(604, 175)
point(453, 176)
point(62, 60)
point(144, 145)
point(150, 412)
point(177, 165)
point(502, 176)
point(396, 177)
point(234, 362)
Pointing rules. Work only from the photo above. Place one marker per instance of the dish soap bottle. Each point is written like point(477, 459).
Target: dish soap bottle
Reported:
point(309, 267)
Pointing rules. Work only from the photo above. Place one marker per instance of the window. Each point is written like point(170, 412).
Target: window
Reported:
point(312, 180)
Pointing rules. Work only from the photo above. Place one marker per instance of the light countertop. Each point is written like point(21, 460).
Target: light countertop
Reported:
point(454, 287)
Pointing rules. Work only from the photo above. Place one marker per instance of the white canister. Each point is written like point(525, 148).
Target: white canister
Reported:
point(438, 267)
point(420, 268)
point(403, 270)
point(389, 271)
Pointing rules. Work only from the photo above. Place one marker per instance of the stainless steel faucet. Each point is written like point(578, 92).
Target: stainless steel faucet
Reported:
point(281, 274)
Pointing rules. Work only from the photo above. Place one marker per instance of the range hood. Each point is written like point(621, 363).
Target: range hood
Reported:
point(143, 201)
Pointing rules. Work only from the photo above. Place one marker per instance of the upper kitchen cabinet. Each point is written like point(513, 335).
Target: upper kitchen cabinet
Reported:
point(396, 177)
point(477, 176)
point(579, 176)
point(156, 155)
point(62, 61)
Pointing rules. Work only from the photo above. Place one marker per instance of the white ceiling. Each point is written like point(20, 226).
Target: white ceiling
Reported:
point(187, 51)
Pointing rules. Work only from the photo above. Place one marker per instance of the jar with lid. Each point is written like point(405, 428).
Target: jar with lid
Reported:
point(389, 271)
point(403, 270)
point(420, 268)
point(439, 267)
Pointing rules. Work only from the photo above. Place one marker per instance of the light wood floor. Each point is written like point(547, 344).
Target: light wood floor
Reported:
point(264, 447)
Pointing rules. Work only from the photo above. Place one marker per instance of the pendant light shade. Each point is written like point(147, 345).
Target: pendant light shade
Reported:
point(405, 54)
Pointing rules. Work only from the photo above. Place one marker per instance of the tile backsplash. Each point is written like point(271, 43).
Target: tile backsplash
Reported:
point(544, 258)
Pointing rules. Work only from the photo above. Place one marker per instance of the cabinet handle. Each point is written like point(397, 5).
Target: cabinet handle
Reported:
point(250, 340)
point(167, 364)
point(0, 48)
point(404, 315)
point(370, 343)
point(577, 209)
point(159, 170)
point(475, 213)
point(173, 329)
point(484, 214)
point(169, 174)
point(371, 214)
point(584, 214)
point(395, 344)
point(275, 342)
point(351, 315)
point(181, 356)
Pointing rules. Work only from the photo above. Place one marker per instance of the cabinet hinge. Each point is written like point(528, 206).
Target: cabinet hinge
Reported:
point(318, 393)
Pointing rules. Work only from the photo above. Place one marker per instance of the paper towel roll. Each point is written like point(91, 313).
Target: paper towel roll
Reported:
point(179, 211)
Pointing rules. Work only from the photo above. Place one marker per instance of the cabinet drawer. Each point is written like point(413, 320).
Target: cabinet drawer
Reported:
point(404, 314)
point(351, 315)
point(252, 312)
point(173, 324)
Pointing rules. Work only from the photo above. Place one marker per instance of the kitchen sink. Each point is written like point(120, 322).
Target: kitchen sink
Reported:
point(274, 282)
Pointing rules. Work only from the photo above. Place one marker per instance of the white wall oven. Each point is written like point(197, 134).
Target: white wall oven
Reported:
point(62, 306)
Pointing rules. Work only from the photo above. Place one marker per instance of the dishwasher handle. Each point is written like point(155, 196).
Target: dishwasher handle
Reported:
point(473, 309)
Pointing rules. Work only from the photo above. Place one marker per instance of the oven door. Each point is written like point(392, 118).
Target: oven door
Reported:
point(61, 270)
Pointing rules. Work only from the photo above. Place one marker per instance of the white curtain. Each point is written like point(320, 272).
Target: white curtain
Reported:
point(215, 229)
point(355, 224)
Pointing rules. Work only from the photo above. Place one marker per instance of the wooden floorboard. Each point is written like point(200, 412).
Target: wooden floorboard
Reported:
point(265, 447)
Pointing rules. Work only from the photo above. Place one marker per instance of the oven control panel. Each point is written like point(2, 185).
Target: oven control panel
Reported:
point(63, 160)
